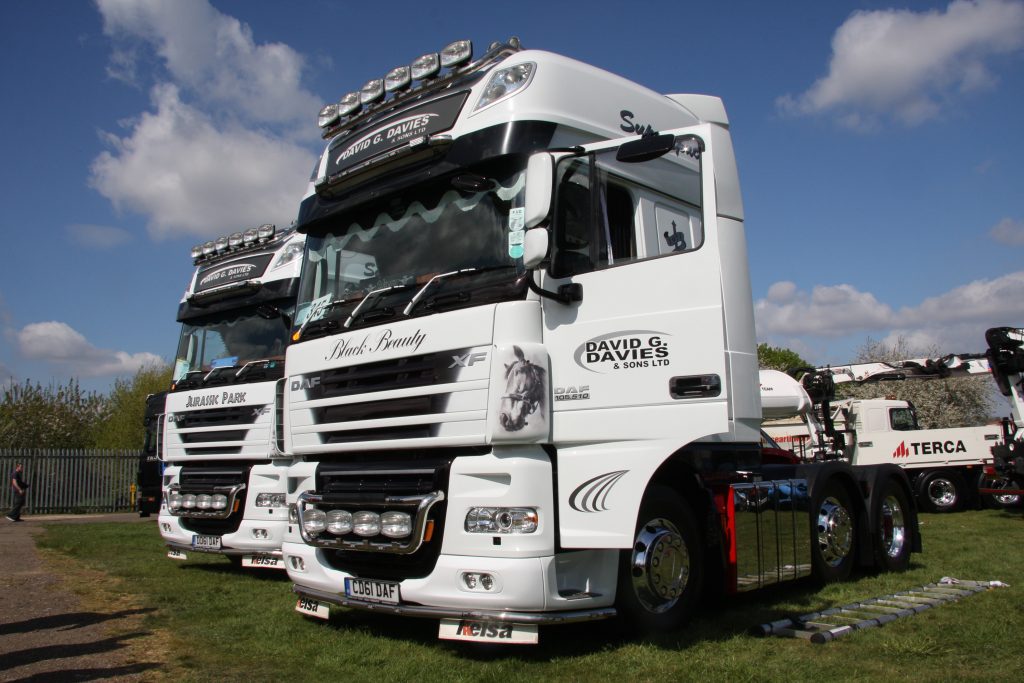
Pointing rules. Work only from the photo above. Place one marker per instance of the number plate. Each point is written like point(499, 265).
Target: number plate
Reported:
point(313, 608)
point(372, 590)
point(263, 561)
point(176, 554)
point(205, 542)
point(499, 632)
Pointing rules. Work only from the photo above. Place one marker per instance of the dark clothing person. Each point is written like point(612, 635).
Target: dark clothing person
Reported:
point(19, 487)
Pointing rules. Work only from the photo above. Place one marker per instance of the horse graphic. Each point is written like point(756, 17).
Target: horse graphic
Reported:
point(524, 392)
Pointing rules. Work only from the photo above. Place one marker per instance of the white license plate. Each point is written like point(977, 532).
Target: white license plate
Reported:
point(482, 631)
point(263, 561)
point(313, 608)
point(176, 554)
point(200, 542)
point(372, 590)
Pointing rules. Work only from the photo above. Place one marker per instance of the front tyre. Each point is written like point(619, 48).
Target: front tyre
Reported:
point(893, 534)
point(833, 532)
point(661, 576)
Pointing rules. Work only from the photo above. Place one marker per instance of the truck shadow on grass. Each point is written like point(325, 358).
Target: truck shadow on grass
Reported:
point(68, 621)
point(48, 653)
point(718, 619)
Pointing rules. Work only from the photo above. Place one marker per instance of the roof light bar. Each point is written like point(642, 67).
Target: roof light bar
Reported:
point(398, 78)
point(372, 91)
point(425, 67)
point(249, 236)
point(197, 252)
point(454, 54)
point(349, 103)
point(328, 115)
point(265, 232)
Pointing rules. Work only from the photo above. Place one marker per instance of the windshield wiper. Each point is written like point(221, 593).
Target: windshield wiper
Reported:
point(442, 276)
point(375, 294)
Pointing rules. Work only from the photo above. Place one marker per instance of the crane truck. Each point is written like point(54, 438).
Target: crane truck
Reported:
point(1006, 359)
point(522, 387)
point(945, 466)
point(224, 479)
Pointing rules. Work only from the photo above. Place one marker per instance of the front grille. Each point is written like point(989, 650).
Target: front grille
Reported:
point(204, 443)
point(204, 479)
point(208, 437)
point(279, 414)
point(217, 417)
point(374, 484)
point(401, 373)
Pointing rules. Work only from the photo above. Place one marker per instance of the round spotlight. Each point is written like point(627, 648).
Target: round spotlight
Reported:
point(373, 91)
point(456, 53)
point(426, 66)
point(398, 78)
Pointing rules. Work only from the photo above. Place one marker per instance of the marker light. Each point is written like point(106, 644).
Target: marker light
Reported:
point(397, 79)
point(504, 83)
point(249, 237)
point(349, 104)
point(372, 91)
point(328, 115)
point(197, 251)
point(425, 66)
point(265, 232)
point(235, 240)
point(209, 248)
point(457, 53)
point(221, 244)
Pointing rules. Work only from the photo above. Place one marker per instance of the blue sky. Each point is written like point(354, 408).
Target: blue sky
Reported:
point(879, 145)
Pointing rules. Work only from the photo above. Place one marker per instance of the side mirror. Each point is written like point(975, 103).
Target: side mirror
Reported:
point(540, 179)
point(535, 247)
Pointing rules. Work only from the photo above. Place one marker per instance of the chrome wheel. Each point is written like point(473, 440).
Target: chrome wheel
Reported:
point(659, 565)
point(835, 531)
point(893, 527)
point(942, 492)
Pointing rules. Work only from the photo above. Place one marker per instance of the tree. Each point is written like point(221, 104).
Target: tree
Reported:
point(940, 403)
point(56, 416)
point(121, 426)
point(778, 358)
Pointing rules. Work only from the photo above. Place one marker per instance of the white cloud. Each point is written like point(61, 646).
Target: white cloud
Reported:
point(213, 56)
point(908, 65)
point(98, 236)
point(60, 344)
point(190, 176)
point(954, 321)
point(1008, 231)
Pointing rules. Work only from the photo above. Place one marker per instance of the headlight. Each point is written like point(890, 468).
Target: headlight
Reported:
point(501, 520)
point(505, 83)
point(314, 521)
point(290, 253)
point(365, 523)
point(219, 501)
point(339, 522)
point(270, 500)
point(395, 524)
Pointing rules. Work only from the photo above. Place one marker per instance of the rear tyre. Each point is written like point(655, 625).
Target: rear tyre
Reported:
point(941, 492)
point(661, 576)
point(833, 533)
point(997, 501)
point(894, 535)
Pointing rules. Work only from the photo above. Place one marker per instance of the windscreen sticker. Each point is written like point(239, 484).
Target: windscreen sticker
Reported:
point(517, 218)
point(226, 362)
point(314, 310)
point(515, 243)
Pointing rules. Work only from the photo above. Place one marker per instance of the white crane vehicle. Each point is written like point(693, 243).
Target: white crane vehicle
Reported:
point(224, 479)
point(523, 388)
point(945, 466)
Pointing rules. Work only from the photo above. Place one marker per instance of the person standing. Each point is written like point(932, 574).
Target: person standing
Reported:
point(19, 486)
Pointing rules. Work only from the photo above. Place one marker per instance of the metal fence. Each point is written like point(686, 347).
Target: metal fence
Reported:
point(71, 481)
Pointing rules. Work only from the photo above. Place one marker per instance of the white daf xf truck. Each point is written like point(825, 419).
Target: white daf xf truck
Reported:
point(224, 480)
point(523, 387)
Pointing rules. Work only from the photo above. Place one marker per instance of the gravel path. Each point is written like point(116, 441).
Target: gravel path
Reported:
point(45, 634)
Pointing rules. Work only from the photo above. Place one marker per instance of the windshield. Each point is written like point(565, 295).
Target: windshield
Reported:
point(231, 340)
point(367, 264)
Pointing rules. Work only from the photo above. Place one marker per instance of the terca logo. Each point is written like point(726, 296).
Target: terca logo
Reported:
point(901, 451)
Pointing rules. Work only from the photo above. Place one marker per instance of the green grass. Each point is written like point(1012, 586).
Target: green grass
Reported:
point(217, 623)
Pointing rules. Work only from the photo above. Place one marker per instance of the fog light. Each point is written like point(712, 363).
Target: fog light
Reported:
point(174, 500)
point(204, 501)
point(486, 582)
point(297, 563)
point(260, 534)
point(188, 501)
point(339, 522)
point(219, 501)
point(366, 523)
point(165, 526)
point(314, 521)
point(395, 524)
point(479, 581)
point(470, 580)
